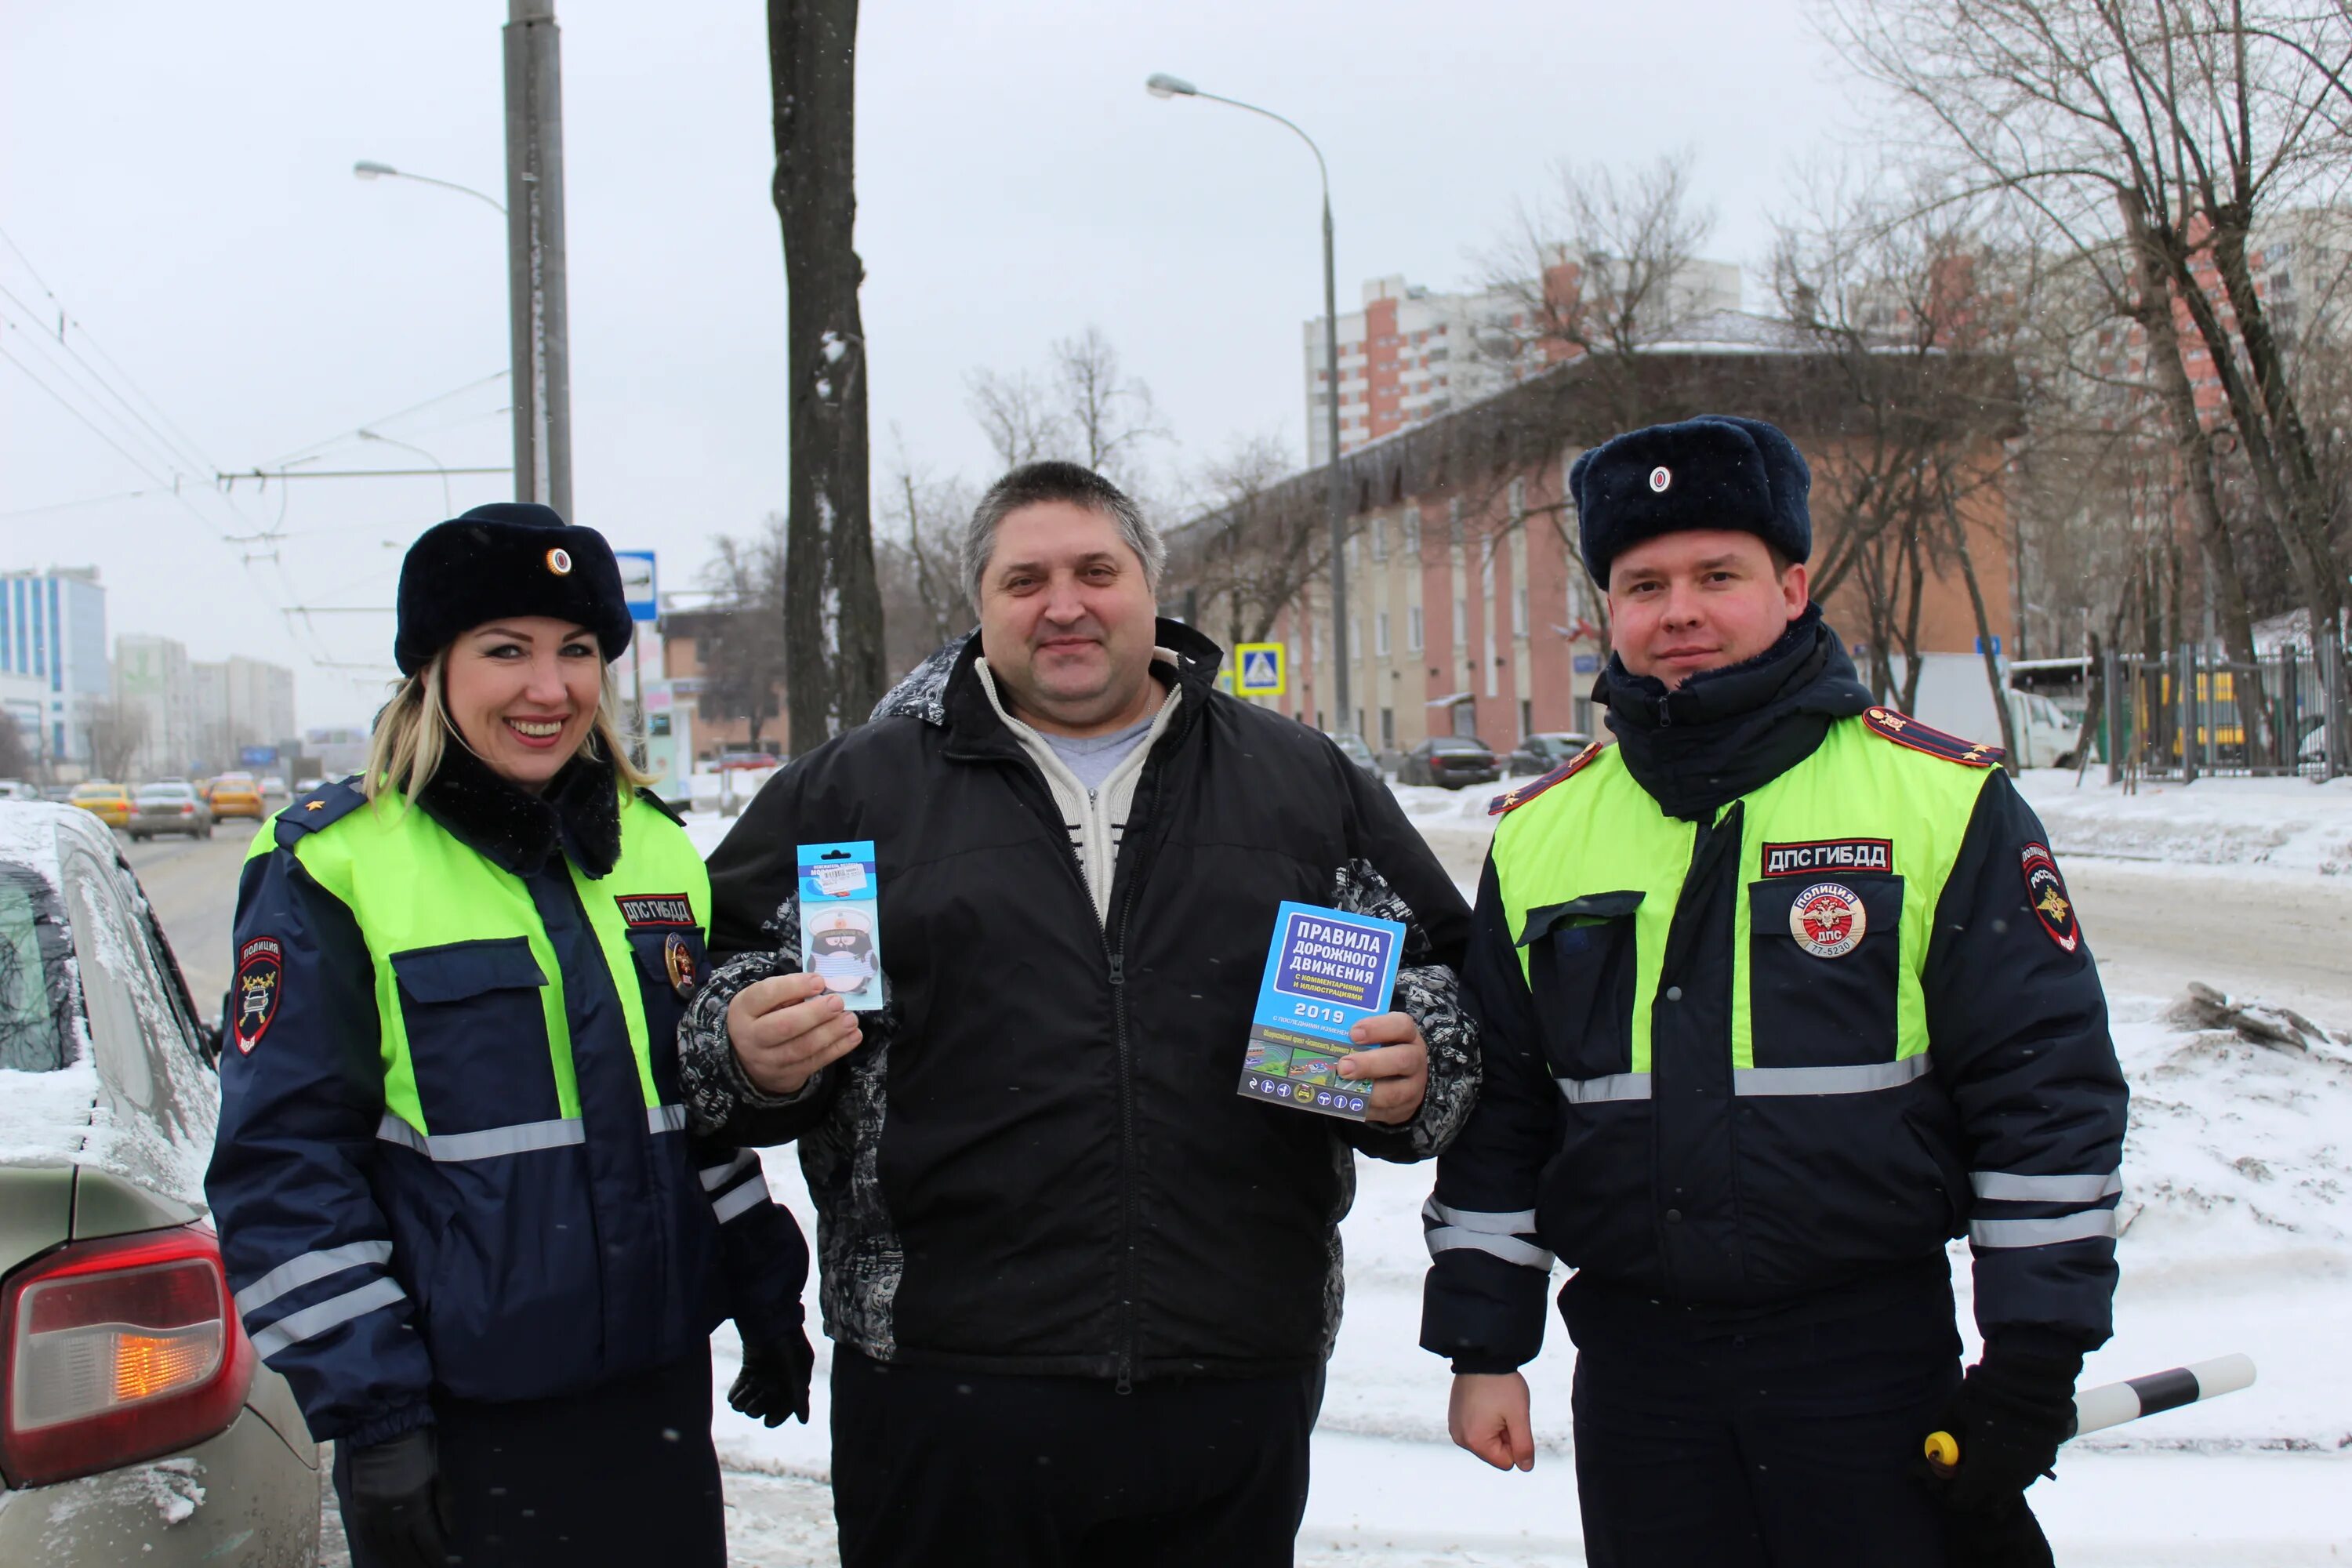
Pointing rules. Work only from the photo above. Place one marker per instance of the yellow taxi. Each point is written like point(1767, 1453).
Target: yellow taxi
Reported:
point(236, 794)
point(110, 803)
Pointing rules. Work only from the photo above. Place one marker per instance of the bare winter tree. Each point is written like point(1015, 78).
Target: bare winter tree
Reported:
point(923, 598)
point(17, 756)
point(2165, 135)
point(116, 730)
point(1254, 547)
point(833, 609)
point(741, 642)
point(1018, 418)
point(1085, 409)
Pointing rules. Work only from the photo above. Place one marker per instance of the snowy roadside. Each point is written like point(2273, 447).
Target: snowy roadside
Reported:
point(2238, 1237)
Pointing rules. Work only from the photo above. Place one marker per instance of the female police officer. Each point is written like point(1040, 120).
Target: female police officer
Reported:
point(455, 1194)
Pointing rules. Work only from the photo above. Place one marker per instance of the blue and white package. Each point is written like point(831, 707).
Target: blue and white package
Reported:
point(1325, 973)
point(841, 928)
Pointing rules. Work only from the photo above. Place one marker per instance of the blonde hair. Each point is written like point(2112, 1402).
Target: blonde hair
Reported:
point(405, 752)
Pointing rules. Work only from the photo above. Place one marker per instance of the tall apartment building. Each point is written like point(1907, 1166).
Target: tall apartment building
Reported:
point(1412, 354)
point(53, 658)
point(239, 703)
point(152, 678)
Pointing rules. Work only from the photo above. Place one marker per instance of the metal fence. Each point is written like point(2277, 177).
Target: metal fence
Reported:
point(2194, 714)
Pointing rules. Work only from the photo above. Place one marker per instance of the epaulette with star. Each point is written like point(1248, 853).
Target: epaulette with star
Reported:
point(1512, 799)
point(328, 803)
point(1904, 731)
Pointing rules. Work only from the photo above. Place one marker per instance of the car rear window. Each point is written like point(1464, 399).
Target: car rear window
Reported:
point(1457, 743)
point(166, 791)
point(33, 949)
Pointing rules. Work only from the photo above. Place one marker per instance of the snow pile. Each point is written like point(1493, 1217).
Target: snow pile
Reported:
point(2293, 824)
point(2237, 1145)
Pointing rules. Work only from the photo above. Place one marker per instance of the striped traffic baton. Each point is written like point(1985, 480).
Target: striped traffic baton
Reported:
point(2113, 1404)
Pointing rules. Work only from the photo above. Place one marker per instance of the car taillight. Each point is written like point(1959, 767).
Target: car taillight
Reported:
point(119, 1351)
point(188, 810)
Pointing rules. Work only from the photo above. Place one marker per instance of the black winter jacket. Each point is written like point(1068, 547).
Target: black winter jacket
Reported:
point(1037, 1161)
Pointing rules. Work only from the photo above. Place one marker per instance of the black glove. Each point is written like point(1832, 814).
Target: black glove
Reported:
point(398, 1511)
point(774, 1382)
point(2014, 1408)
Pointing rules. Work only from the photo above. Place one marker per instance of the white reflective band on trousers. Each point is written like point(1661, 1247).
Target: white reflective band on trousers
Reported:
point(332, 1312)
point(489, 1143)
point(742, 1200)
point(311, 1266)
point(1863, 1079)
point(2088, 1227)
point(1502, 1236)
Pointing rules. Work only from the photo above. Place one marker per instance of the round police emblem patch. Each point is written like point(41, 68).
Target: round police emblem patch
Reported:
point(1660, 478)
point(1828, 920)
point(678, 959)
point(559, 561)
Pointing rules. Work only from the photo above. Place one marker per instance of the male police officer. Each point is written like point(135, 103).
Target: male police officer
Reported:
point(1779, 993)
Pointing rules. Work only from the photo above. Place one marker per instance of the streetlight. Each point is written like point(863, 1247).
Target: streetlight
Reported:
point(1160, 84)
point(369, 169)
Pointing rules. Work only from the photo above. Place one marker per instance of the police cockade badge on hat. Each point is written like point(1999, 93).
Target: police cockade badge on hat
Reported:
point(1660, 478)
point(1828, 920)
point(559, 561)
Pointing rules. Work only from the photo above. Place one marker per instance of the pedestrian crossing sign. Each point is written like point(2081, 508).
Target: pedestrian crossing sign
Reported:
point(1261, 670)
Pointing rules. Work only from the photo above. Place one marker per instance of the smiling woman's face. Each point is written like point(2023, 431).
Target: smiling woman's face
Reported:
point(522, 692)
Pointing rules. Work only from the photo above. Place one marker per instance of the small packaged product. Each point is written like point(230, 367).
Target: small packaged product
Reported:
point(1325, 973)
point(841, 930)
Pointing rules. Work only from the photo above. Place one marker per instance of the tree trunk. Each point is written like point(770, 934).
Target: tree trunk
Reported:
point(1959, 542)
point(833, 666)
point(2154, 313)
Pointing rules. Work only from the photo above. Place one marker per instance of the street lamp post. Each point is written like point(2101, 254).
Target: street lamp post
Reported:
point(1161, 85)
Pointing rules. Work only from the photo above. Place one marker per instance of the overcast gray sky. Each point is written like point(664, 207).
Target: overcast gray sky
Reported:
point(180, 178)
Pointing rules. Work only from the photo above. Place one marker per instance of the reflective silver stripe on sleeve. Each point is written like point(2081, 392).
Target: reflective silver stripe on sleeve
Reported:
point(301, 1271)
point(2085, 1227)
point(2009, 1187)
point(1522, 1222)
point(716, 1176)
point(665, 1118)
point(750, 1195)
point(1861, 1079)
point(491, 1141)
point(1616, 1086)
point(335, 1311)
point(1509, 1248)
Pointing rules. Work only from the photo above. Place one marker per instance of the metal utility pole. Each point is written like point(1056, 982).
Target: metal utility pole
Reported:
point(538, 299)
point(1162, 85)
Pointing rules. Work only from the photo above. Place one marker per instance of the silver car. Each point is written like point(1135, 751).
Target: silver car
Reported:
point(168, 805)
point(136, 1424)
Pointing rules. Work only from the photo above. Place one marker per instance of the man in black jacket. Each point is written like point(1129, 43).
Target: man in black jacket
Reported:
point(1777, 994)
point(1080, 1290)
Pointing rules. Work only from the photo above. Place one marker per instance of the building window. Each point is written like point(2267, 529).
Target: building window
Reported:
point(1526, 718)
point(1412, 628)
point(1411, 524)
point(1381, 634)
point(1519, 611)
point(1460, 619)
point(1518, 500)
point(1454, 521)
point(1379, 532)
point(1388, 728)
point(1355, 638)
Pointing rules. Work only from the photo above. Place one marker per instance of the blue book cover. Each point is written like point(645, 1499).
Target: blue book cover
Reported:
point(1325, 973)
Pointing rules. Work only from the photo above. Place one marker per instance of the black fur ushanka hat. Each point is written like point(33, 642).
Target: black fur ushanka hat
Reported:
point(508, 558)
point(1714, 471)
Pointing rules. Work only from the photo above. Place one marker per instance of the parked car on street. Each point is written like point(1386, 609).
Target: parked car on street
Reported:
point(110, 803)
point(169, 805)
point(1450, 762)
point(18, 789)
point(236, 794)
point(138, 1425)
point(1352, 745)
point(1545, 749)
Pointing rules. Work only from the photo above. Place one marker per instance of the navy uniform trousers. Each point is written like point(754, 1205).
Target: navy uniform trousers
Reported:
point(1787, 1441)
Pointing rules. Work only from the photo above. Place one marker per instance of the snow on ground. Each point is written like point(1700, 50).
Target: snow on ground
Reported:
point(2238, 1237)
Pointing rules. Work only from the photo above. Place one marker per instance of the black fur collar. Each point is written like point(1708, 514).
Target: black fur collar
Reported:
point(579, 814)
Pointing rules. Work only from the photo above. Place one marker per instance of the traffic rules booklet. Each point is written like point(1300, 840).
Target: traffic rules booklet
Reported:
point(841, 931)
point(1325, 973)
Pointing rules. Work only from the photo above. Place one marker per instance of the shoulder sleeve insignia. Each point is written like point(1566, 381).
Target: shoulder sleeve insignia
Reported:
point(1904, 731)
point(658, 803)
point(2045, 891)
point(322, 807)
point(1510, 800)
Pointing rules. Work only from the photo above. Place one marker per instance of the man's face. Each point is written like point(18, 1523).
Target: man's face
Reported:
point(1698, 600)
point(1066, 617)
